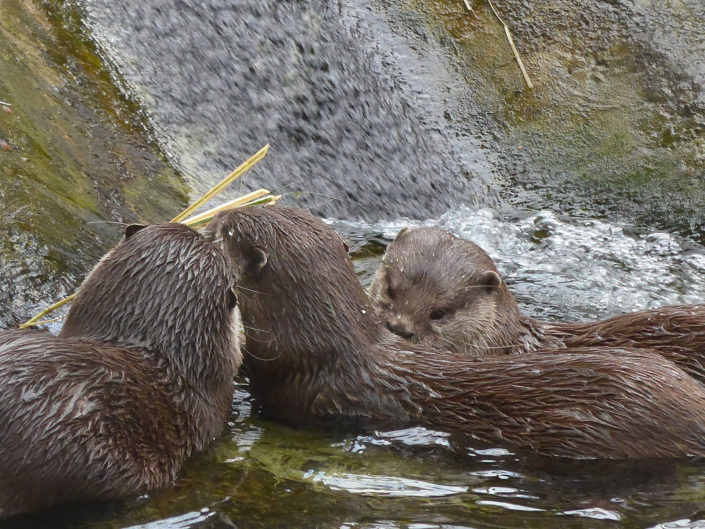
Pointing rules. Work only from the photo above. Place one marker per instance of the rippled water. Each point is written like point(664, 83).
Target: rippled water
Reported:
point(327, 83)
point(564, 267)
point(265, 475)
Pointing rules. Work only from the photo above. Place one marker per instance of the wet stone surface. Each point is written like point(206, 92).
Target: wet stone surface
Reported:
point(352, 136)
point(78, 163)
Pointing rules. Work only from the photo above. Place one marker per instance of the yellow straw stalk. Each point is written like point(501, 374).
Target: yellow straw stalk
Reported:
point(261, 196)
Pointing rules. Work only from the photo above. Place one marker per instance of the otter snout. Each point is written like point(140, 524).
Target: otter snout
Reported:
point(401, 326)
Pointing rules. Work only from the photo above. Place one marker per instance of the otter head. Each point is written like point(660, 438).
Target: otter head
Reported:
point(298, 292)
point(166, 289)
point(441, 291)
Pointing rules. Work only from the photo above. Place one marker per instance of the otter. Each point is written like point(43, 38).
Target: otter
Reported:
point(435, 288)
point(139, 378)
point(319, 354)
point(429, 279)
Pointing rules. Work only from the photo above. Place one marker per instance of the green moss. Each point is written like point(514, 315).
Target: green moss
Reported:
point(598, 124)
point(155, 197)
point(76, 159)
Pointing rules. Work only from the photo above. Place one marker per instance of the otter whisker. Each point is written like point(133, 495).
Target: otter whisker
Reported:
point(248, 353)
point(262, 341)
point(253, 328)
point(330, 198)
point(240, 287)
point(118, 223)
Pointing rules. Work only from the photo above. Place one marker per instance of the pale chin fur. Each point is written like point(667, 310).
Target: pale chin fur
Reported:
point(237, 333)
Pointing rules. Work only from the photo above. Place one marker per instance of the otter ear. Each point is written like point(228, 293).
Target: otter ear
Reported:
point(256, 261)
point(232, 298)
point(403, 231)
point(490, 279)
point(132, 229)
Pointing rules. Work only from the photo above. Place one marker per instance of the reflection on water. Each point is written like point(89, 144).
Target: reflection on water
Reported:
point(681, 524)
point(596, 513)
point(263, 474)
point(303, 478)
point(184, 521)
point(385, 486)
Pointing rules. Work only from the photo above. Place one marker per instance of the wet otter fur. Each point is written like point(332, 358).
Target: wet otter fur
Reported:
point(434, 288)
point(319, 354)
point(140, 377)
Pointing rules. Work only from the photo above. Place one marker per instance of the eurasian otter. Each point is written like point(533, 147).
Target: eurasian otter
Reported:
point(140, 377)
point(319, 353)
point(435, 288)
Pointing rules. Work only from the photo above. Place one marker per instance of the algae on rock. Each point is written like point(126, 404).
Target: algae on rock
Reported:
point(76, 162)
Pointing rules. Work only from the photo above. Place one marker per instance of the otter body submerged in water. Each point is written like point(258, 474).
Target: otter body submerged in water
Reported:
point(140, 377)
point(319, 353)
point(436, 288)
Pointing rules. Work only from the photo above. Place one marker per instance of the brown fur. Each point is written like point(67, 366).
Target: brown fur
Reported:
point(140, 377)
point(318, 353)
point(428, 268)
point(413, 283)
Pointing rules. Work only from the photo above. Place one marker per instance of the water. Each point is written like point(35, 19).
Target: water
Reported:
point(262, 474)
point(587, 193)
point(351, 135)
point(365, 100)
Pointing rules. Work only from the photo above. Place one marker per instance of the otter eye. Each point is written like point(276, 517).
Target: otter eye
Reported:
point(437, 314)
point(232, 299)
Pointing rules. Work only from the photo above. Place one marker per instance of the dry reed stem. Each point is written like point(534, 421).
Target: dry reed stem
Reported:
point(246, 166)
point(514, 49)
point(266, 201)
point(33, 321)
point(243, 168)
point(527, 79)
point(244, 199)
point(47, 322)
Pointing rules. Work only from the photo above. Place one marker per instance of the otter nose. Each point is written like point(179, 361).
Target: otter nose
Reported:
point(402, 327)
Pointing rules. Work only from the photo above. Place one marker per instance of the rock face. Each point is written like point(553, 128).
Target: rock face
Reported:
point(616, 122)
point(374, 109)
point(354, 116)
point(75, 161)
point(407, 108)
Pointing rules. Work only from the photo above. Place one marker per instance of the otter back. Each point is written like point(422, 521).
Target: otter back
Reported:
point(140, 377)
point(320, 354)
point(84, 420)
